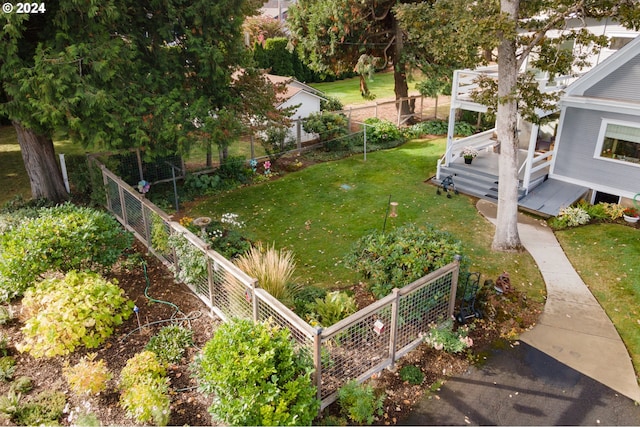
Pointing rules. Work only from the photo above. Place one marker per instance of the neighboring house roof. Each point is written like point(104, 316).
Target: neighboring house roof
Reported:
point(293, 87)
point(604, 69)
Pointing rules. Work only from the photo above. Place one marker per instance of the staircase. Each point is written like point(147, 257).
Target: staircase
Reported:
point(473, 182)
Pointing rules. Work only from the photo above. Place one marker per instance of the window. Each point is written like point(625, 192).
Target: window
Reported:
point(619, 141)
point(617, 43)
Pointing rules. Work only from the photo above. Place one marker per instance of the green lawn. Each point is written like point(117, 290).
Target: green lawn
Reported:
point(348, 90)
point(13, 175)
point(606, 257)
point(320, 211)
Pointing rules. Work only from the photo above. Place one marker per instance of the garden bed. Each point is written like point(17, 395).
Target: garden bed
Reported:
point(512, 314)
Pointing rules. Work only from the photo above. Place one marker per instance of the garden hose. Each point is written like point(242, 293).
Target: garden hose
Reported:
point(146, 291)
point(635, 201)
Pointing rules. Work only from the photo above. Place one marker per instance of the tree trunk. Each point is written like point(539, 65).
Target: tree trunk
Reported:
point(400, 72)
point(39, 159)
point(506, 237)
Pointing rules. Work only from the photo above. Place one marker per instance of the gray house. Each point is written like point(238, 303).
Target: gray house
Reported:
point(598, 139)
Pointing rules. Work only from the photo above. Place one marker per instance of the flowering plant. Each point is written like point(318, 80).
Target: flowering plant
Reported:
point(443, 337)
point(631, 211)
point(469, 152)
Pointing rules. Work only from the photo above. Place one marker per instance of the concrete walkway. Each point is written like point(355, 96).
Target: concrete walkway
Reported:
point(573, 328)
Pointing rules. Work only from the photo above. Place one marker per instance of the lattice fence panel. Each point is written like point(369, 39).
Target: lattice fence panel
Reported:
point(113, 193)
point(421, 307)
point(231, 295)
point(133, 209)
point(269, 311)
point(355, 350)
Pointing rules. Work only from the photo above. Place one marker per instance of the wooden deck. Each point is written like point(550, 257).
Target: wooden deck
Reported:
point(552, 195)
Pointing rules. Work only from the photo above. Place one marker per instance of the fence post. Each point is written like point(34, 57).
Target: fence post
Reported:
point(123, 207)
point(211, 268)
point(139, 160)
point(298, 133)
point(317, 363)
point(454, 285)
point(145, 222)
point(105, 182)
point(393, 332)
point(254, 285)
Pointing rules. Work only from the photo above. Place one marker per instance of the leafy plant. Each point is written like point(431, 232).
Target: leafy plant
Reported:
point(159, 234)
point(64, 313)
point(464, 129)
point(61, 238)
point(88, 376)
point(411, 374)
point(6, 314)
point(170, 342)
point(571, 216)
point(144, 389)
point(431, 127)
point(359, 402)
point(334, 307)
point(399, 257)
point(273, 268)
point(444, 337)
point(201, 183)
point(7, 368)
point(257, 376)
point(45, 408)
point(306, 298)
point(191, 266)
point(22, 385)
point(327, 125)
point(382, 132)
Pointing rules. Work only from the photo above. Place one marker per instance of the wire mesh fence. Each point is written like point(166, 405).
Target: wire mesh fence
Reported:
point(354, 348)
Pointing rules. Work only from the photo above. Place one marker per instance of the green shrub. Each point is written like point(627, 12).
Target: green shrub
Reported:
point(359, 402)
point(411, 374)
point(62, 238)
point(306, 298)
point(382, 132)
point(191, 265)
point(571, 216)
point(274, 270)
point(7, 368)
point(444, 337)
point(463, 129)
point(399, 257)
point(327, 125)
point(224, 236)
point(202, 184)
point(79, 309)
point(22, 385)
point(45, 408)
point(144, 389)
point(334, 307)
point(88, 376)
point(432, 127)
point(170, 342)
point(257, 376)
point(159, 234)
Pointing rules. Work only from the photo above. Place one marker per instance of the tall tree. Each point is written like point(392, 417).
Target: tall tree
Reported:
point(517, 30)
point(116, 73)
point(334, 34)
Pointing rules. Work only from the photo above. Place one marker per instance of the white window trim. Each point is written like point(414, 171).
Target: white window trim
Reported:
point(600, 141)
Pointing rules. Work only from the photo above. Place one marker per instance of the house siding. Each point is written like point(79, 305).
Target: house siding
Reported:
point(575, 153)
point(621, 84)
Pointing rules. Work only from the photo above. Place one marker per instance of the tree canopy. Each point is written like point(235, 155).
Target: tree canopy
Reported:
point(120, 73)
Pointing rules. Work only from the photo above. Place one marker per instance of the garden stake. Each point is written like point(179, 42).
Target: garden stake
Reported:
point(384, 226)
point(136, 310)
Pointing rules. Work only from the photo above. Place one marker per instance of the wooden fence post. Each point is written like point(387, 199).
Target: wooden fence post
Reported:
point(454, 285)
point(393, 332)
point(254, 285)
point(317, 363)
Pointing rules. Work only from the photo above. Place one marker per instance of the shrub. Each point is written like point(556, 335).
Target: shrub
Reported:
point(411, 374)
point(201, 184)
point(327, 125)
point(382, 132)
point(22, 385)
point(571, 216)
point(45, 408)
point(443, 337)
point(306, 298)
point(613, 210)
point(79, 309)
point(159, 234)
point(334, 307)
point(399, 257)
point(7, 368)
point(359, 402)
point(6, 314)
point(170, 342)
point(145, 389)
point(191, 265)
point(62, 238)
point(464, 129)
point(274, 270)
point(257, 376)
point(88, 376)
point(432, 127)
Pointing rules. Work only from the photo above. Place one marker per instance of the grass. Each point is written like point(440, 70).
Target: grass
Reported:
point(606, 257)
point(319, 213)
point(348, 90)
